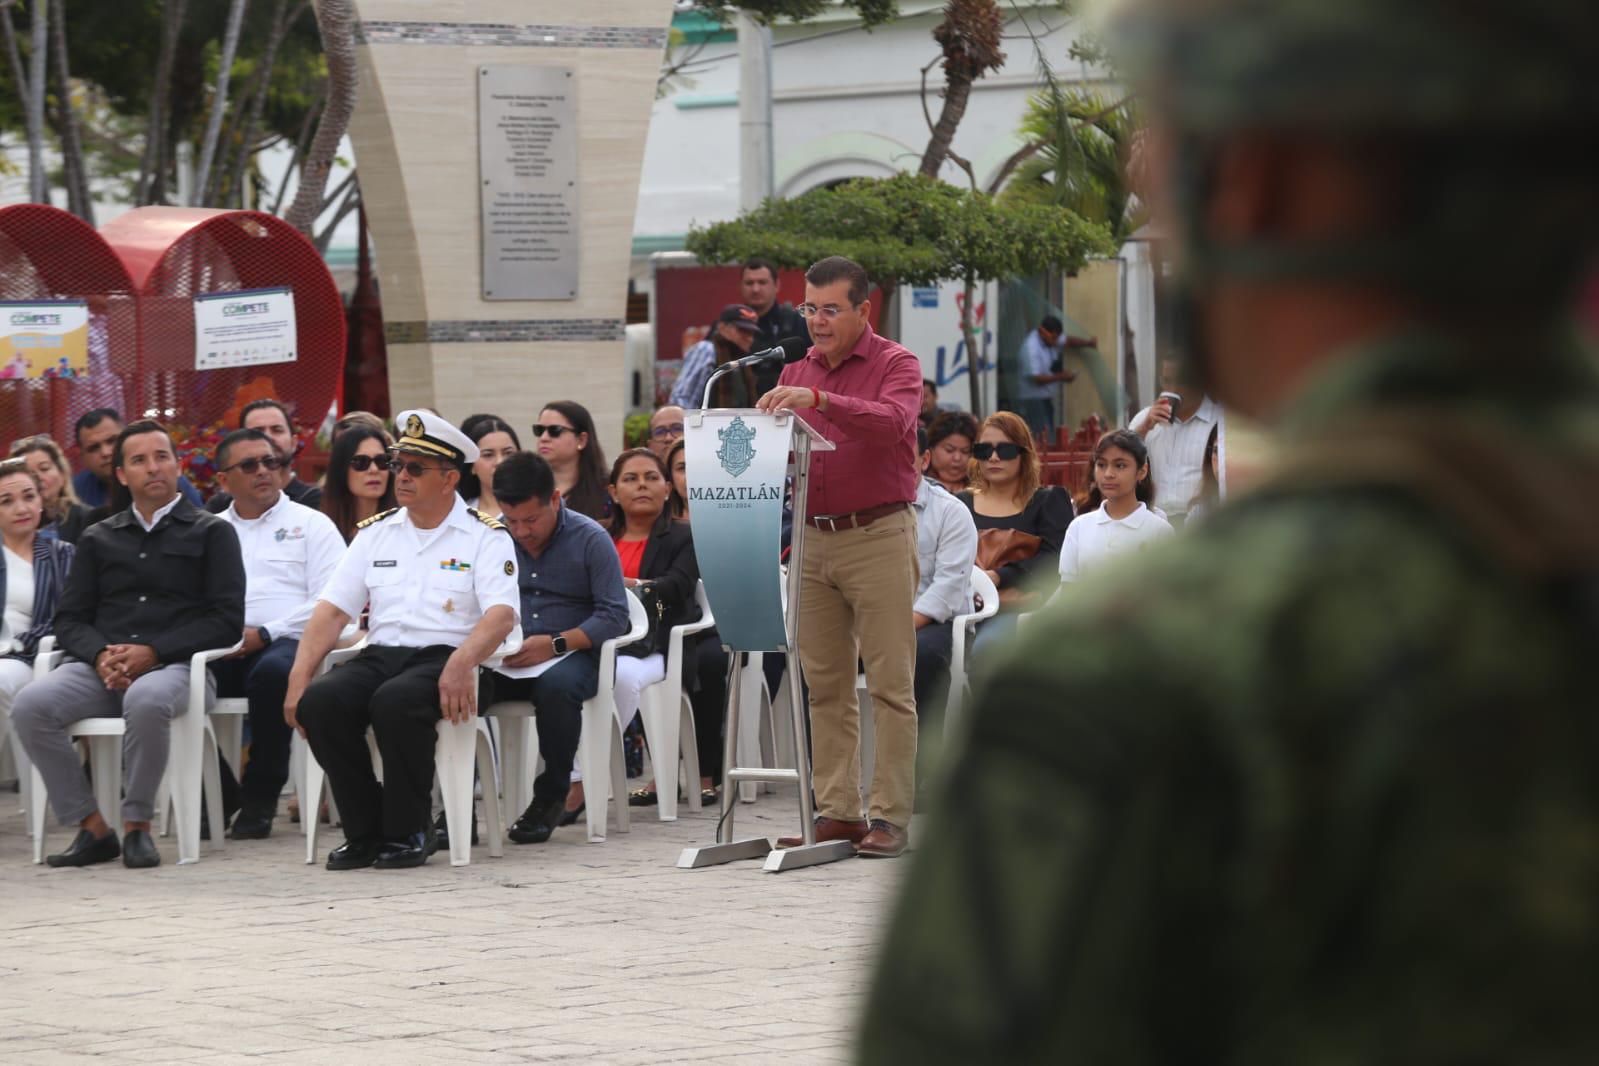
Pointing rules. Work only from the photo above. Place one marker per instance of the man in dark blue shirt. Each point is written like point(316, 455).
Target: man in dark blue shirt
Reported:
point(573, 600)
point(97, 434)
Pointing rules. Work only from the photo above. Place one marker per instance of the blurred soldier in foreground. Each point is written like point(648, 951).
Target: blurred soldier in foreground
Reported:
point(1319, 782)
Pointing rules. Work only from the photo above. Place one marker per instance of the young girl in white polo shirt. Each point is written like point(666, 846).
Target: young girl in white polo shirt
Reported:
point(1116, 520)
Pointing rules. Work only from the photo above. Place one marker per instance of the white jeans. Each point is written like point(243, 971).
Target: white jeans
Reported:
point(632, 675)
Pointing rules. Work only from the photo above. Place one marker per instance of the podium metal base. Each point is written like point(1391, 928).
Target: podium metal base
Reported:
point(717, 854)
point(808, 855)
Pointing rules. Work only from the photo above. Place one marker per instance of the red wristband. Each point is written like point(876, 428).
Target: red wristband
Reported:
point(816, 397)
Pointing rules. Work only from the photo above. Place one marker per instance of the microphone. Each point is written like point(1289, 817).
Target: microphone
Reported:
point(789, 350)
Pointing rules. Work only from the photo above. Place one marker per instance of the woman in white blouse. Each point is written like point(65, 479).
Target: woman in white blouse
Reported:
point(1117, 519)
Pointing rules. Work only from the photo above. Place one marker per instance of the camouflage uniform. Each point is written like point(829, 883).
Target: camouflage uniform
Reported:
point(1316, 783)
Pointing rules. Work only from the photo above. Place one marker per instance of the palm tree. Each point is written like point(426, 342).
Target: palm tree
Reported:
point(336, 19)
point(1082, 145)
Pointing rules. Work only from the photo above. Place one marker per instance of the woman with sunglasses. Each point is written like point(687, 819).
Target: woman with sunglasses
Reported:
point(358, 484)
point(1006, 495)
point(566, 440)
point(64, 516)
point(496, 442)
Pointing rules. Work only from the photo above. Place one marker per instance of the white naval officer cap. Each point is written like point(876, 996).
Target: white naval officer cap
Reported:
point(425, 433)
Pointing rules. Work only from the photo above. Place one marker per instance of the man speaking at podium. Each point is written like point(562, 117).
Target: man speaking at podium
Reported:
point(862, 392)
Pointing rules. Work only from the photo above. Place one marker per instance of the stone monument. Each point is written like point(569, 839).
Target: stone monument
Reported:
point(499, 144)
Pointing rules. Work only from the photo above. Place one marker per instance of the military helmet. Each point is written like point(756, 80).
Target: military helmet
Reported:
point(1439, 66)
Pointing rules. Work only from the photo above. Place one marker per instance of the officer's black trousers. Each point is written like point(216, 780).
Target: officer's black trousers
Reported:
point(395, 691)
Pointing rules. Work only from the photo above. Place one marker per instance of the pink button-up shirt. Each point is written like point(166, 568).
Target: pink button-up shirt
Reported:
point(873, 398)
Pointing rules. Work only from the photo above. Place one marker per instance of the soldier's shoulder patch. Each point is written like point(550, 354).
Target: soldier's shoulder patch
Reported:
point(375, 519)
point(510, 569)
point(492, 523)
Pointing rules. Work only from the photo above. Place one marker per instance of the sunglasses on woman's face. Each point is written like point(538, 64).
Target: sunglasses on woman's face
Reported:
point(1006, 451)
point(362, 463)
point(554, 431)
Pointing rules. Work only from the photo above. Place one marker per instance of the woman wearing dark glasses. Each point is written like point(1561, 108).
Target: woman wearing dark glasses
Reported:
point(359, 484)
point(565, 438)
point(1020, 523)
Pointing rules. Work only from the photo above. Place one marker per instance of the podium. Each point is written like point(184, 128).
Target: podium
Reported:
point(738, 465)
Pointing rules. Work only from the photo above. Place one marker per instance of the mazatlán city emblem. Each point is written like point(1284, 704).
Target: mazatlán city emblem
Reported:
point(735, 452)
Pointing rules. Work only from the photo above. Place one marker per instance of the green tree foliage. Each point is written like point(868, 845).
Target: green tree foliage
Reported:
point(871, 12)
point(1083, 144)
point(908, 229)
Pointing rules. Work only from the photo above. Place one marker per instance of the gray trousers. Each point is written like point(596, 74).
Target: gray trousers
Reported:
point(73, 691)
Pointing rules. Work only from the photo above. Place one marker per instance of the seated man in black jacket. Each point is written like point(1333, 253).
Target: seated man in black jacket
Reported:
point(151, 585)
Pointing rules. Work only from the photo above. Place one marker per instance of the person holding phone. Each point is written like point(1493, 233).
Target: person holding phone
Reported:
point(1175, 429)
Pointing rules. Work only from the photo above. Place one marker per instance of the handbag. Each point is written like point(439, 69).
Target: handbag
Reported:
point(1001, 547)
point(655, 611)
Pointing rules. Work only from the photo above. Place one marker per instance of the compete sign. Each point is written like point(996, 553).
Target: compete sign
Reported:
point(244, 328)
point(44, 339)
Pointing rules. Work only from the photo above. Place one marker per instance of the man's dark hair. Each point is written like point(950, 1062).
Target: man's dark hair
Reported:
point(237, 437)
point(261, 405)
point(523, 477)
point(755, 262)
point(134, 429)
point(837, 268)
point(950, 424)
point(929, 383)
point(93, 418)
point(921, 439)
point(1052, 324)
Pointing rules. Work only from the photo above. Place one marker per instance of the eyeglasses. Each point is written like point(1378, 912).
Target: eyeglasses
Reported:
point(362, 463)
point(554, 431)
point(670, 429)
point(412, 467)
point(250, 466)
point(1006, 451)
point(826, 314)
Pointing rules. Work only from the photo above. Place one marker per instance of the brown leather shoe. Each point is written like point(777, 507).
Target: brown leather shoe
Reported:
point(829, 829)
point(885, 841)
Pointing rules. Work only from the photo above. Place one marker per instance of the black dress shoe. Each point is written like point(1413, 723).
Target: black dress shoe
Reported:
point(643, 797)
point(87, 849)
point(251, 825)
point(353, 855)
point(571, 817)
point(537, 822)
point(404, 854)
point(441, 830)
point(138, 850)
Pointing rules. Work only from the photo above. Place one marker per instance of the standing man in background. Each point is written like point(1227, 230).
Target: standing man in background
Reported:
point(777, 321)
point(1041, 373)
point(859, 585)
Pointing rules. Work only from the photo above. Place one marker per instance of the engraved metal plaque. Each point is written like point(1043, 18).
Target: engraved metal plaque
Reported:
point(527, 157)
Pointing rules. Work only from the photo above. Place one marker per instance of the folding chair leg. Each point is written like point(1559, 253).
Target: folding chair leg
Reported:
point(453, 760)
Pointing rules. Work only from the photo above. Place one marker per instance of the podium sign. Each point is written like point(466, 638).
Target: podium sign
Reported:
point(736, 465)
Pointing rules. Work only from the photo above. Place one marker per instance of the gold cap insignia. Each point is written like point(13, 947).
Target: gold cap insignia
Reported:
point(413, 426)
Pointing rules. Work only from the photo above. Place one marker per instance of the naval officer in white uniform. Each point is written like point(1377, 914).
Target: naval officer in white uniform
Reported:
point(441, 582)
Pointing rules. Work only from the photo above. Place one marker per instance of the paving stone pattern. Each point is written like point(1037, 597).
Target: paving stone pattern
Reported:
point(567, 951)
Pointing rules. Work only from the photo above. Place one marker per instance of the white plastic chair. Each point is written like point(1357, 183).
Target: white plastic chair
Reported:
point(190, 758)
point(44, 660)
point(965, 625)
point(310, 780)
point(668, 719)
point(453, 758)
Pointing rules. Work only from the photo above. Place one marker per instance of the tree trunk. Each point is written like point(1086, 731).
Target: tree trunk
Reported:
point(336, 18)
point(302, 145)
point(38, 61)
point(19, 72)
point(152, 166)
point(281, 24)
point(78, 196)
point(974, 355)
point(957, 90)
point(219, 102)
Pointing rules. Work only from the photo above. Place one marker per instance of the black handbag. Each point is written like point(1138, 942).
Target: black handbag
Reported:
point(655, 611)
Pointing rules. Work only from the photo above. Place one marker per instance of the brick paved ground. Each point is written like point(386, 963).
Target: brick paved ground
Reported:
point(564, 951)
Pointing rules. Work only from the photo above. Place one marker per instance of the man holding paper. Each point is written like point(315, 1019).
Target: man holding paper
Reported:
point(572, 600)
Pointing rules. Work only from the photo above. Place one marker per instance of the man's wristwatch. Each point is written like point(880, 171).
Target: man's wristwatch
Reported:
point(558, 644)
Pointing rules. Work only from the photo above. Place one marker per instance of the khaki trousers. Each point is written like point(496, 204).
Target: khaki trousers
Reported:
point(858, 588)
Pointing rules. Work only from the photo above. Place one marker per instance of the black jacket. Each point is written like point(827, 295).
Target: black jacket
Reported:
point(670, 567)
point(780, 322)
point(178, 588)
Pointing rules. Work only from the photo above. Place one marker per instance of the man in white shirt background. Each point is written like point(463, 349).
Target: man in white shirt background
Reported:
point(1176, 440)
point(290, 552)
